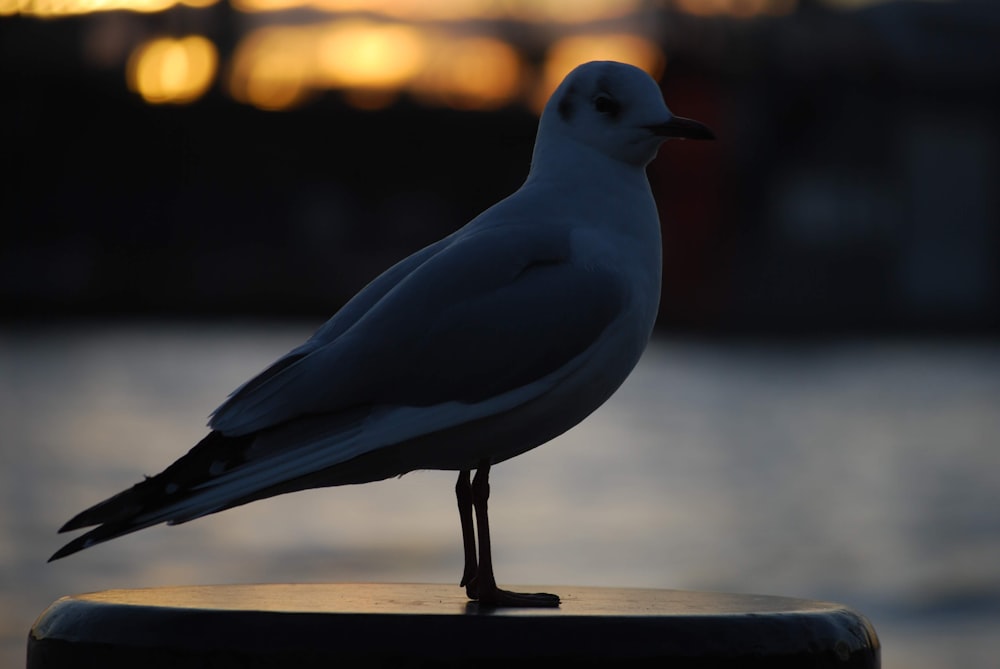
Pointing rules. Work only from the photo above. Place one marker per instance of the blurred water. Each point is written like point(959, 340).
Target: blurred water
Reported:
point(864, 473)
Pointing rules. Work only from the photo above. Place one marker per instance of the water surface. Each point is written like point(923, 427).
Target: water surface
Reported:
point(864, 473)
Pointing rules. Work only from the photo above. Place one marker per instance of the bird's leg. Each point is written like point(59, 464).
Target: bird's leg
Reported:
point(484, 586)
point(463, 492)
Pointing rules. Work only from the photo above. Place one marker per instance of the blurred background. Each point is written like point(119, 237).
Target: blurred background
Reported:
point(191, 187)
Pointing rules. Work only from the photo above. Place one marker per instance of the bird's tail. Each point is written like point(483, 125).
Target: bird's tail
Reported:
point(154, 500)
point(221, 472)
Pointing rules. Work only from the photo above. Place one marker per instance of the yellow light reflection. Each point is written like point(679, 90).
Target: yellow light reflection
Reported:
point(443, 10)
point(741, 9)
point(560, 11)
point(567, 53)
point(372, 63)
point(571, 11)
point(271, 68)
point(361, 54)
point(177, 71)
point(57, 8)
point(471, 73)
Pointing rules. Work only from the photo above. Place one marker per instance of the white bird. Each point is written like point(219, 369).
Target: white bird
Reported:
point(477, 348)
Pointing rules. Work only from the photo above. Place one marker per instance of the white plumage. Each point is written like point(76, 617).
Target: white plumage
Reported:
point(475, 349)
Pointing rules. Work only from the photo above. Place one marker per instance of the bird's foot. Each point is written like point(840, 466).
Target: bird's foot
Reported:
point(471, 585)
point(495, 597)
point(501, 598)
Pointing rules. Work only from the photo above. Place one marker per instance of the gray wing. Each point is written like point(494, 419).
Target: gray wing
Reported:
point(347, 316)
point(472, 327)
point(481, 314)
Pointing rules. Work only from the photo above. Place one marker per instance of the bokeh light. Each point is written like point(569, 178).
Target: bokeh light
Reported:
point(470, 73)
point(364, 54)
point(168, 70)
point(269, 68)
point(58, 8)
point(278, 67)
point(537, 11)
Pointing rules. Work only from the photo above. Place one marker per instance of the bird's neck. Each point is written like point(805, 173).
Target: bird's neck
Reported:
point(574, 173)
point(559, 160)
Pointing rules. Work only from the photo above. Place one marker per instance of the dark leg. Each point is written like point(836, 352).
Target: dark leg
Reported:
point(485, 585)
point(463, 491)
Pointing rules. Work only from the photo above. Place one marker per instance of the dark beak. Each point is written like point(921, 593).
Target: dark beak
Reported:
point(682, 128)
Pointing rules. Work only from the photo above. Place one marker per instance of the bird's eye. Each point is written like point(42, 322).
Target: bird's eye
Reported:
point(606, 105)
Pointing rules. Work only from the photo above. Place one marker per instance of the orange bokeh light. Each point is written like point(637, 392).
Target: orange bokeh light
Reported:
point(58, 8)
point(174, 71)
point(372, 63)
point(534, 11)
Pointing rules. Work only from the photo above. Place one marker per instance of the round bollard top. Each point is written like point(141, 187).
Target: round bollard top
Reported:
point(312, 625)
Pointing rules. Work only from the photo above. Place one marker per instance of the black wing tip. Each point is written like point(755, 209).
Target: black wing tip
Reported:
point(117, 515)
point(74, 546)
point(58, 555)
point(77, 522)
point(98, 535)
point(114, 508)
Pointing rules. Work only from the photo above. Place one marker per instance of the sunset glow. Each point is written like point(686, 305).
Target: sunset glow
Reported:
point(57, 8)
point(470, 73)
point(449, 53)
point(362, 54)
point(372, 63)
point(174, 71)
point(536, 11)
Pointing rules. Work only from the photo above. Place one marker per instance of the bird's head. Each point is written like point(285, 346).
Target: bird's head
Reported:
point(616, 109)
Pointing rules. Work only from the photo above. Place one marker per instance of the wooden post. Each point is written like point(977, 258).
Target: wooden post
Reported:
point(405, 625)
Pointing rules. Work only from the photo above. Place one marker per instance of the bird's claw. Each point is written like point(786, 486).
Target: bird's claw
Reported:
point(498, 598)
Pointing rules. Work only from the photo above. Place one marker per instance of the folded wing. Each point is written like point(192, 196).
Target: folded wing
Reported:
point(475, 327)
point(484, 315)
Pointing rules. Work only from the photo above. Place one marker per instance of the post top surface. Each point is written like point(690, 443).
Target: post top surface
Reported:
point(309, 625)
point(441, 599)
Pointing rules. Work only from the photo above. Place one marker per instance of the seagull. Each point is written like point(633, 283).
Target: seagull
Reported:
point(475, 349)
